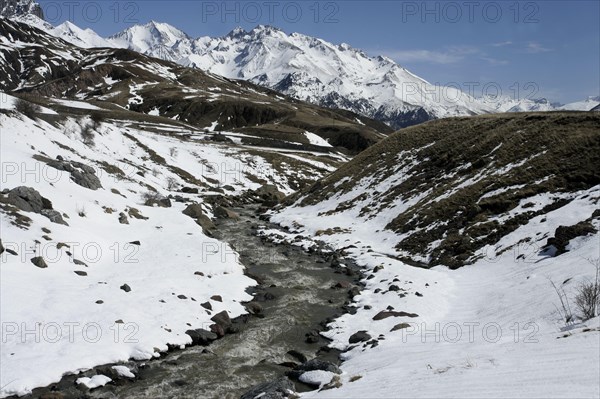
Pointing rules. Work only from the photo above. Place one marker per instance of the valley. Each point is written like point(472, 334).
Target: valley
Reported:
point(270, 215)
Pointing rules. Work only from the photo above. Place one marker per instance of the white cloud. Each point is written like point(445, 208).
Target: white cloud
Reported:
point(502, 44)
point(450, 55)
point(536, 48)
point(495, 61)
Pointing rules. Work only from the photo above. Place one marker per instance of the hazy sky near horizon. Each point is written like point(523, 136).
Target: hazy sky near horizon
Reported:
point(523, 48)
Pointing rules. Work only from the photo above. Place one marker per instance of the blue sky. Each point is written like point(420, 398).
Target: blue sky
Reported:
point(523, 48)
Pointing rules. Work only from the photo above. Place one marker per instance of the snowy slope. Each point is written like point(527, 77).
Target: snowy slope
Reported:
point(489, 329)
point(585, 105)
point(83, 313)
point(154, 38)
point(85, 38)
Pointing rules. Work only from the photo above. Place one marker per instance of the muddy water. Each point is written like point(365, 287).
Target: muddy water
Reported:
point(301, 284)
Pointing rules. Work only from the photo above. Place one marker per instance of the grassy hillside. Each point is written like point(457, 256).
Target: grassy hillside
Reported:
point(447, 188)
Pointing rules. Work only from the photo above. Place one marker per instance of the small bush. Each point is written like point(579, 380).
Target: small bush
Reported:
point(588, 295)
point(152, 196)
point(173, 152)
point(87, 133)
point(588, 299)
point(172, 183)
point(97, 118)
point(27, 108)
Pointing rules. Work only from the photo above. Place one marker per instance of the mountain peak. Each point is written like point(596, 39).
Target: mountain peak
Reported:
point(238, 31)
point(266, 30)
point(16, 8)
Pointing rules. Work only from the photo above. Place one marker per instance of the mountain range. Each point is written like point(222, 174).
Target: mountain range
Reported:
point(303, 67)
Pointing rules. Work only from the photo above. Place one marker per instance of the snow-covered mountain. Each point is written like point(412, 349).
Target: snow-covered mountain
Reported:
point(303, 67)
point(309, 69)
point(154, 38)
point(12, 8)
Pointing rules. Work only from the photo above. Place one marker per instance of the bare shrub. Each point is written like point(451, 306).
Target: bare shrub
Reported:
point(172, 183)
point(565, 308)
point(588, 295)
point(173, 152)
point(97, 118)
point(88, 135)
point(27, 108)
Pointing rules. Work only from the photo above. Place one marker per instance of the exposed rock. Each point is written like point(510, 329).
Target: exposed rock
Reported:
point(81, 174)
point(39, 262)
point(123, 218)
point(161, 202)
point(312, 337)
point(195, 211)
point(400, 326)
point(125, 287)
point(270, 193)
point(342, 284)
point(80, 273)
point(217, 329)
point(254, 307)
point(385, 314)
point(201, 336)
point(189, 190)
point(54, 216)
point(206, 305)
point(222, 319)
point(1, 248)
point(217, 298)
point(360, 336)
point(564, 234)
point(30, 200)
point(277, 389)
point(225, 213)
point(313, 365)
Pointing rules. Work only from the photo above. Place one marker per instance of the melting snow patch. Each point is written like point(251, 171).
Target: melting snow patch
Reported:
point(123, 371)
point(94, 382)
point(316, 140)
point(316, 377)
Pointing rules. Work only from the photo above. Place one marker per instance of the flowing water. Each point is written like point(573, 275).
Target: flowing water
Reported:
point(301, 284)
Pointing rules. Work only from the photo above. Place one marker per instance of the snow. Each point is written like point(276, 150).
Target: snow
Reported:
point(316, 377)
point(8, 102)
point(123, 371)
point(585, 105)
point(67, 331)
point(316, 140)
point(491, 329)
point(94, 382)
point(76, 104)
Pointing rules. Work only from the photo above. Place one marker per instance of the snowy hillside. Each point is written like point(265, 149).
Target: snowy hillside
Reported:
point(97, 235)
point(514, 222)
